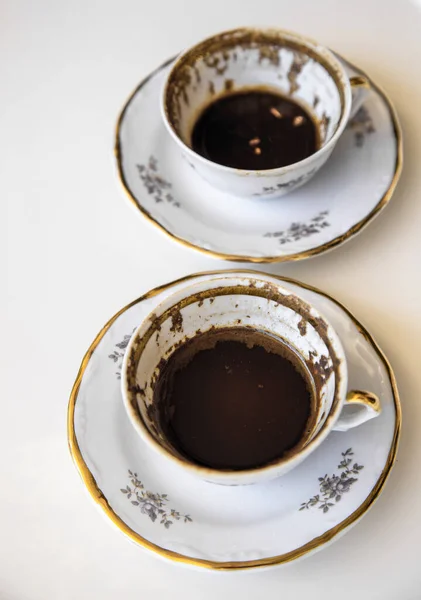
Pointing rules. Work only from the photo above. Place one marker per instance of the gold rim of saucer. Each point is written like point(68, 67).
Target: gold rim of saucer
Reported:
point(352, 231)
point(98, 496)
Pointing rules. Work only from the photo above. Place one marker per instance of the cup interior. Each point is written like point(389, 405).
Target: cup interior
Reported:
point(225, 303)
point(242, 59)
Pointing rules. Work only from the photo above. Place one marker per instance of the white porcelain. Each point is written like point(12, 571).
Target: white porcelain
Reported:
point(258, 302)
point(293, 66)
point(352, 188)
point(180, 517)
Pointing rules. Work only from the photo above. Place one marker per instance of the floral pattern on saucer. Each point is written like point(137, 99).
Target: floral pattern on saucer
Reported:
point(297, 231)
point(152, 504)
point(117, 354)
point(333, 488)
point(155, 184)
point(362, 125)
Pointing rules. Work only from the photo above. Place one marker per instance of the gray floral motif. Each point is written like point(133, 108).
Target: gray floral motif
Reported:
point(333, 488)
point(150, 504)
point(297, 231)
point(361, 124)
point(155, 184)
point(285, 186)
point(118, 354)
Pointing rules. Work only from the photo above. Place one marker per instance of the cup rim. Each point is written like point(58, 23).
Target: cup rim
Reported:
point(327, 59)
point(268, 470)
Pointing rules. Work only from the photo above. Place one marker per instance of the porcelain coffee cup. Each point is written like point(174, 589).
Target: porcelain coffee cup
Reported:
point(238, 300)
point(293, 66)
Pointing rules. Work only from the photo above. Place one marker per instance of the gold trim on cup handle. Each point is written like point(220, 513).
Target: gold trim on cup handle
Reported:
point(359, 81)
point(370, 408)
point(360, 87)
point(367, 399)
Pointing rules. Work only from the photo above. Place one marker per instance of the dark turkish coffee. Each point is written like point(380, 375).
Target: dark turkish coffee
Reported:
point(255, 130)
point(234, 398)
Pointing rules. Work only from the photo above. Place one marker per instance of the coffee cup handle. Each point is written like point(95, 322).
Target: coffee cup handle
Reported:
point(369, 407)
point(360, 86)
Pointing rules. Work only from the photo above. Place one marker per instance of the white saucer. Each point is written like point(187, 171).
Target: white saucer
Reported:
point(187, 520)
point(355, 185)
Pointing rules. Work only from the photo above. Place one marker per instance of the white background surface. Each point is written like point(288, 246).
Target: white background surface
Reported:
point(74, 252)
